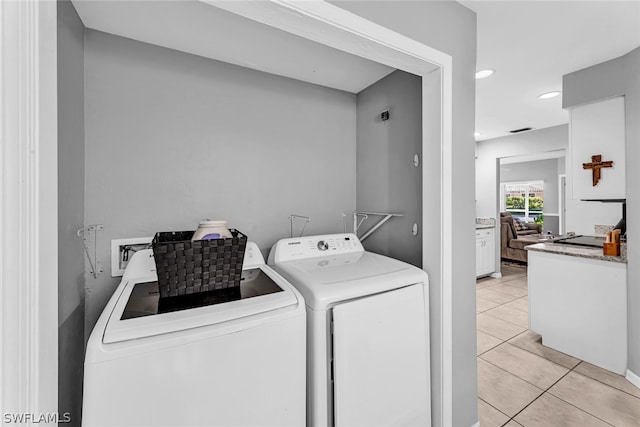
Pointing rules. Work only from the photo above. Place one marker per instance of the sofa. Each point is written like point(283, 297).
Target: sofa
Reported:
point(513, 241)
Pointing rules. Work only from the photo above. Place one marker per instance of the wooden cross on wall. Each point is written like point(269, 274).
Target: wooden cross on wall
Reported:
point(595, 166)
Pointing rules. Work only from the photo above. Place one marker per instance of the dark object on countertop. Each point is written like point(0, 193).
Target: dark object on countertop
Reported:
point(622, 226)
point(588, 241)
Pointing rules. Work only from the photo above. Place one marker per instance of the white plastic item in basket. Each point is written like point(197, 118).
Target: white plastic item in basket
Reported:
point(208, 229)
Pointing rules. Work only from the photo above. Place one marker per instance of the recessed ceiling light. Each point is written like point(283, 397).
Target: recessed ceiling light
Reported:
point(484, 73)
point(549, 95)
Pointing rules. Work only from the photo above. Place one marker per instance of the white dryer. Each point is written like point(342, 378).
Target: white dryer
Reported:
point(368, 332)
point(233, 358)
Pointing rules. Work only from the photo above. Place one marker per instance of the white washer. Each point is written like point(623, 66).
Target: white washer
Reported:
point(235, 358)
point(368, 332)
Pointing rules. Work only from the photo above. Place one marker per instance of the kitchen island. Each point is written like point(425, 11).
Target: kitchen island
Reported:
point(578, 302)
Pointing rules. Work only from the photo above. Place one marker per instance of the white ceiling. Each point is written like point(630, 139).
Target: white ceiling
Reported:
point(532, 44)
point(201, 29)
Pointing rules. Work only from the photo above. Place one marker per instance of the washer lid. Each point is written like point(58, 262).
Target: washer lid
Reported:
point(140, 313)
point(325, 280)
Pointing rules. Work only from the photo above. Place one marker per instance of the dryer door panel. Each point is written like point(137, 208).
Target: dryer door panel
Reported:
point(381, 360)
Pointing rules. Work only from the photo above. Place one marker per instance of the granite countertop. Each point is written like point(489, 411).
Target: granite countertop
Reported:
point(485, 223)
point(480, 226)
point(578, 251)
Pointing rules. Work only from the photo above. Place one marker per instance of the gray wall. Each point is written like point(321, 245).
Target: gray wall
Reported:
point(620, 76)
point(451, 28)
point(132, 112)
point(580, 216)
point(70, 210)
point(491, 151)
point(172, 138)
point(387, 180)
point(538, 170)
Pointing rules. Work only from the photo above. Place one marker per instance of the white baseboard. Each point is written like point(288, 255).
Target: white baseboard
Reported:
point(495, 275)
point(633, 378)
point(476, 424)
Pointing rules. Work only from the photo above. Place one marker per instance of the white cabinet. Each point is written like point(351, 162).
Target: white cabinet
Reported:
point(597, 129)
point(579, 306)
point(485, 251)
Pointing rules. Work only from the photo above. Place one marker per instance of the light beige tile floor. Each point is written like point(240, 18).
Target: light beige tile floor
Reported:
point(523, 383)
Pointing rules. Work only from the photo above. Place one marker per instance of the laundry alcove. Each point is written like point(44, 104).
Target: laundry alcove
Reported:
point(159, 114)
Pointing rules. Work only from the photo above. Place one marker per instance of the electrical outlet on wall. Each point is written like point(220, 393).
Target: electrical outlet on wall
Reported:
point(123, 249)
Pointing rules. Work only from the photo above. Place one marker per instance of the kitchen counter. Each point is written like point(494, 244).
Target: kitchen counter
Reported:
point(578, 251)
point(578, 302)
point(485, 223)
point(481, 226)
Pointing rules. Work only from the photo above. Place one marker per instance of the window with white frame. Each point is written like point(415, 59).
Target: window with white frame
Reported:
point(523, 200)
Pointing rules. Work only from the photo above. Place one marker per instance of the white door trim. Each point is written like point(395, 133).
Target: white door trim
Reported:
point(562, 203)
point(330, 25)
point(29, 178)
point(28, 220)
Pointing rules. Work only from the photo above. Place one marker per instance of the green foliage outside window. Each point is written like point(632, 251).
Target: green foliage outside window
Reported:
point(514, 202)
point(518, 202)
point(535, 204)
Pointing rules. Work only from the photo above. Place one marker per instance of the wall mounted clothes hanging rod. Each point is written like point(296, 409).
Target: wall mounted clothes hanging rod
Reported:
point(360, 217)
point(293, 217)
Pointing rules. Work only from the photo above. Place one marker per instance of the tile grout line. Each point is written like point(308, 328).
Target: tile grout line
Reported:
point(499, 281)
point(602, 382)
point(508, 321)
point(502, 282)
point(545, 391)
point(510, 338)
point(508, 281)
point(569, 403)
point(505, 282)
point(518, 334)
point(495, 408)
point(528, 382)
point(497, 345)
point(485, 312)
point(514, 324)
point(500, 304)
point(526, 330)
point(489, 287)
point(529, 330)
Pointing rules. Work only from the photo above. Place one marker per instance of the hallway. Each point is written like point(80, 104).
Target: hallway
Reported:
point(523, 383)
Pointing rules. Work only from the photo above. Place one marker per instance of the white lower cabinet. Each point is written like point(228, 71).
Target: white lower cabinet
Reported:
point(485, 251)
point(579, 307)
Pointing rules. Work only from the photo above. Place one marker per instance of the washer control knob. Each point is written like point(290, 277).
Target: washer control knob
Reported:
point(322, 245)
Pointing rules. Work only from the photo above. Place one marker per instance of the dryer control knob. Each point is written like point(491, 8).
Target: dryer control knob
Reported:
point(322, 245)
